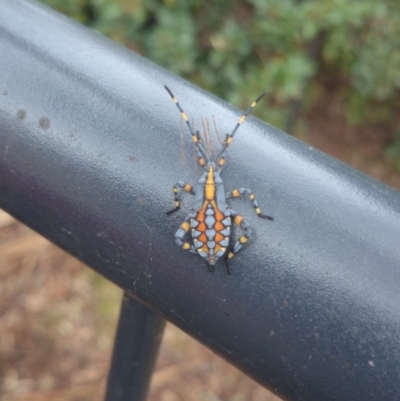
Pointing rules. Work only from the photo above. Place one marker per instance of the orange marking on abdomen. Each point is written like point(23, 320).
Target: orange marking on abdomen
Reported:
point(219, 226)
point(200, 218)
point(217, 248)
point(205, 249)
point(218, 237)
point(201, 227)
point(218, 214)
point(202, 237)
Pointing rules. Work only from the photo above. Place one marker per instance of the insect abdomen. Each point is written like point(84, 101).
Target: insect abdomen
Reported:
point(211, 231)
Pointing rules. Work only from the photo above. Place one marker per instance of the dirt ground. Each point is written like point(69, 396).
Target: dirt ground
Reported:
point(58, 318)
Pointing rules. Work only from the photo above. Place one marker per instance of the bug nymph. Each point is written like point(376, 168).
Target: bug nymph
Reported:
point(211, 219)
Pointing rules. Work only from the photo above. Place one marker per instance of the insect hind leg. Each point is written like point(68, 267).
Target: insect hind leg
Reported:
point(179, 187)
point(241, 241)
point(180, 236)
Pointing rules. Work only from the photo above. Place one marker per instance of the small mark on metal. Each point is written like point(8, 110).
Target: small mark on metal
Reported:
point(132, 158)
point(5, 93)
point(44, 123)
point(21, 114)
point(371, 363)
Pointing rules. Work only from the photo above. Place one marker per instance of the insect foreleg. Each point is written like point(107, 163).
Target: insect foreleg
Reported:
point(178, 187)
point(244, 191)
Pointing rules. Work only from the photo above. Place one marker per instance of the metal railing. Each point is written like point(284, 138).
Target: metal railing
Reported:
point(90, 148)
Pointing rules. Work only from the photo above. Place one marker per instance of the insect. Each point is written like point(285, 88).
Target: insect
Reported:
point(210, 222)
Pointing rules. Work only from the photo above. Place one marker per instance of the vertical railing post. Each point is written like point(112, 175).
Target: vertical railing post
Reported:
point(136, 345)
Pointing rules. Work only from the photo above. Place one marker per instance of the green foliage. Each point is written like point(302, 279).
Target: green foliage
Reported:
point(237, 49)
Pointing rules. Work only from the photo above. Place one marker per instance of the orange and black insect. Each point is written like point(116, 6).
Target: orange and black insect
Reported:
point(210, 221)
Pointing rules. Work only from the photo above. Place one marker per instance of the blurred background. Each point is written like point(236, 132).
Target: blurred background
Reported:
point(332, 71)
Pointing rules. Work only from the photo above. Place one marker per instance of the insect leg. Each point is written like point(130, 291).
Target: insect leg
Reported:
point(244, 191)
point(180, 185)
point(180, 235)
point(237, 246)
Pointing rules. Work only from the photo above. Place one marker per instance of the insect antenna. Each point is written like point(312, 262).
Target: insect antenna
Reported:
point(183, 154)
point(203, 158)
point(220, 158)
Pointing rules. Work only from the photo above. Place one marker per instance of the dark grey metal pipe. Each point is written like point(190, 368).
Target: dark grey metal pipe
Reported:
point(90, 147)
point(136, 346)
